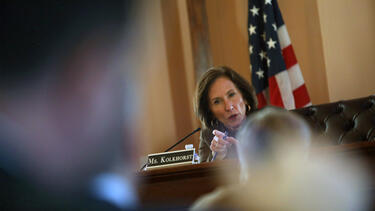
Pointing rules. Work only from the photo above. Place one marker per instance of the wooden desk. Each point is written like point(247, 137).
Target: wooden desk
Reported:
point(181, 184)
point(184, 184)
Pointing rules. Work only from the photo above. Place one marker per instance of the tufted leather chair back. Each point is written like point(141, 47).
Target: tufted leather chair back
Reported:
point(343, 122)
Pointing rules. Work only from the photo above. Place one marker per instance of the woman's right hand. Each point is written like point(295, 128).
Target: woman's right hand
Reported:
point(221, 143)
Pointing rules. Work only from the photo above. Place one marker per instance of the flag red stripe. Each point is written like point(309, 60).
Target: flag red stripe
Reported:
point(275, 94)
point(261, 100)
point(289, 56)
point(301, 96)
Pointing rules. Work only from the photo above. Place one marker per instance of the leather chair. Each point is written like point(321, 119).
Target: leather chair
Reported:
point(342, 122)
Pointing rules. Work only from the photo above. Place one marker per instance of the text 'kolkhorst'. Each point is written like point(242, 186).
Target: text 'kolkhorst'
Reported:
point(165, 159)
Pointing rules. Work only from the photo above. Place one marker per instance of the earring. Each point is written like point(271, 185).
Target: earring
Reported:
point(248, 107)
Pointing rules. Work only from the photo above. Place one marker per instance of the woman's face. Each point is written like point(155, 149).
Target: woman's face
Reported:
point(226, 103)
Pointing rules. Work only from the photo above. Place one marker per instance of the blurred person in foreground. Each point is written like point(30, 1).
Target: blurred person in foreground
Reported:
point(278, 173)
point(65, 71)
point(223, 100)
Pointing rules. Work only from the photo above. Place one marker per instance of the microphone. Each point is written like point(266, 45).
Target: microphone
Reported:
point(183, 139)
point(177, 143)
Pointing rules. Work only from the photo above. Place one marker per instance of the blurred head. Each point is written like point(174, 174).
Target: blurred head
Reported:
point(223, 97)
point(267, 132)
point(64, 78)
point(278, 173)
point(273, 146)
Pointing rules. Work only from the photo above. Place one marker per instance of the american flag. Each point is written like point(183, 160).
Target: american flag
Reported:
point(276, 75)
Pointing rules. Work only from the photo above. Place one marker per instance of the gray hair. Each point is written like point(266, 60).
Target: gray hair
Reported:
point(265, 131)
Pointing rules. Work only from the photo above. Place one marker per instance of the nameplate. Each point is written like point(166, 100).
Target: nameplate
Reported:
point(170, 158)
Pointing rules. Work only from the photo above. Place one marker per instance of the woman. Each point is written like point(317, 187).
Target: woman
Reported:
point(223, 100)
